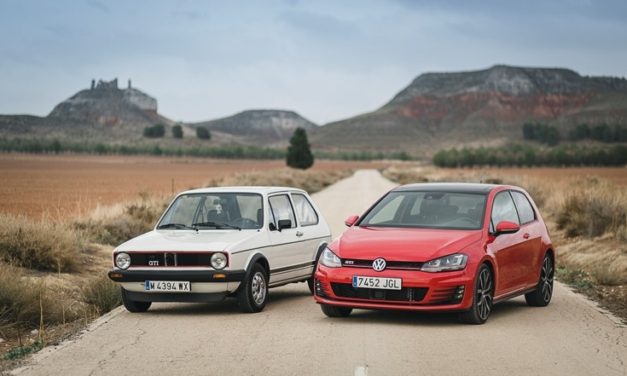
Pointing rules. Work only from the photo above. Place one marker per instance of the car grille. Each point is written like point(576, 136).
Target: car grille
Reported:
point(170, 259)
point(395, 265)
point(406, 294)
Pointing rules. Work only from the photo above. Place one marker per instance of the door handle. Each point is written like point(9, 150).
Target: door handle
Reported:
point(299, 234)
point(526, 235)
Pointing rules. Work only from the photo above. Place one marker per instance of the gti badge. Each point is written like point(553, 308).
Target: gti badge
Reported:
point(378, 265)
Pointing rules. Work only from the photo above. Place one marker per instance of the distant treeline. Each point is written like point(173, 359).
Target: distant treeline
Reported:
point(548, 134)
point(226, 152)
point(524, 155)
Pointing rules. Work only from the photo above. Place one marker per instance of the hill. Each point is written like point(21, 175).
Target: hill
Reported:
point(485, 107)
point(268, 127)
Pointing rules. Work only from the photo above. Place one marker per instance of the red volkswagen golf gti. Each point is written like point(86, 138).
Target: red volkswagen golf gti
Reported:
point(439, 247)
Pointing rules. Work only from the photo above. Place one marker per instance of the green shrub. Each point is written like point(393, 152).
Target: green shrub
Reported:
point(177, 131)
point(102, 293)
point(38, 245)
point(156, 131)
point(299, 153)
point(203, 133)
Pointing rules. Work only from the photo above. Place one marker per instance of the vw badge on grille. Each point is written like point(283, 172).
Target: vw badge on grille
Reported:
point(378, 265)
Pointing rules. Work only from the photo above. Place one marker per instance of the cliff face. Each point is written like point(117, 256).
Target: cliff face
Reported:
point(481, 107)
point(106, 104)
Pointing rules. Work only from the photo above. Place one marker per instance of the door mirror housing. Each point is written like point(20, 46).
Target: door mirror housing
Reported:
point(506, 227)
point(351, 220)
point(284, 223)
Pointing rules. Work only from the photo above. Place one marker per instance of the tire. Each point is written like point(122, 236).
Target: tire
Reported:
point(333, 311)
point(541, 296)
point(133, 306)
point(310, 284)
point(253, 293)
point(482, 298)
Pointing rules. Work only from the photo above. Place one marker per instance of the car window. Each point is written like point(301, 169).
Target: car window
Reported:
point(503, 209)
point(282, 209)
point(305, 212)
point(525, 211)
point(428, 209)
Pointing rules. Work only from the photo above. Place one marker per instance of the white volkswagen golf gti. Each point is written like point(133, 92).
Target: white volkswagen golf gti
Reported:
point(218, 242)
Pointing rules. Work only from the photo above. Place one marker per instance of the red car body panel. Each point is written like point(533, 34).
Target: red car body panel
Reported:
point(515, 260)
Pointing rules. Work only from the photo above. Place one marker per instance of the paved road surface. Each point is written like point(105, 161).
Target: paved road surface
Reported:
point(292, 337)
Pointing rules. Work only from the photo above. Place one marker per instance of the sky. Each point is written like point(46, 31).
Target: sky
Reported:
point(326, 60)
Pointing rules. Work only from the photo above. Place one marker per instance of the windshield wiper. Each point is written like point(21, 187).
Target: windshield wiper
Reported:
point(177, 226)
point(217, 225)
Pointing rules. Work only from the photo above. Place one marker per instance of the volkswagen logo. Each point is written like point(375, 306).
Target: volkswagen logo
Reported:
point(378, 265)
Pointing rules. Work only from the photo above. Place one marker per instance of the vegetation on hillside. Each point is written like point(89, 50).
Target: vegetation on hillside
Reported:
point(177, 131)
point(525, 155)
point(203, 133)
point(299, 152)
point(156, 131)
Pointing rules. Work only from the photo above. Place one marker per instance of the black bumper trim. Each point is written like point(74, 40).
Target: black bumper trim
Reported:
point(168, 297)
point(176, 275)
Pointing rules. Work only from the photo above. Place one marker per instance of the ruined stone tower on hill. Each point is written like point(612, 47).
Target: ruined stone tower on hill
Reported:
point(106, 104)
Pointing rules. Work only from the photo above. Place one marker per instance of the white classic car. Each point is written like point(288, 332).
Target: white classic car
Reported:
point(218, 242)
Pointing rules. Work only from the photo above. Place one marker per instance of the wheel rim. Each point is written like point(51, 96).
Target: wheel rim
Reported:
point(258, 288)
point(546, 279)
point(484, 294)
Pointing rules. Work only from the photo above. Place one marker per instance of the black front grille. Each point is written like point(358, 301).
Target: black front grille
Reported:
point(169, 259)
point(405, 294)
point(396, 265)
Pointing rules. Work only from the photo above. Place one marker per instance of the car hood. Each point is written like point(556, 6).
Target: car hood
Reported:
point(402, 244)
point(189, 241)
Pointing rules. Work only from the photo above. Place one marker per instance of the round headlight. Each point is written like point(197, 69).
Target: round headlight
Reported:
point(122, 260)
point(218, 260)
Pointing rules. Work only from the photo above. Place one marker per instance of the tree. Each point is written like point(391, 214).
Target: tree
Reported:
point(177, 131)
point(157, 130)
point(299, 153)
point(203, 133)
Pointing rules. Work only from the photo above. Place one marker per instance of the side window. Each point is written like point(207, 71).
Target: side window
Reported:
point(503, 209)
point(525, 211)
point(282, 209)
point(304, 211)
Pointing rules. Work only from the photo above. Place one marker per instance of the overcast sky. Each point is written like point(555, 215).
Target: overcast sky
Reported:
point(327, 60)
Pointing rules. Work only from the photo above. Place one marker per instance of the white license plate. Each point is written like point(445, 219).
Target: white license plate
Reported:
point(170, 286)
point(376, 283)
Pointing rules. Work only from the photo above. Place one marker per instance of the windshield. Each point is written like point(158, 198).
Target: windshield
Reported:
point(445, 210)
point(214, 211)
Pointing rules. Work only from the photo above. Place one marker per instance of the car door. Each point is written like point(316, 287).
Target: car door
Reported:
point(311, 228)
point(507, 248)
point(531, 231)
point(285, 253)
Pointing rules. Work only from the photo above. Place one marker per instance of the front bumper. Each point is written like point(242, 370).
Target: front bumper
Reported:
point(421, 291)
point(206, 285)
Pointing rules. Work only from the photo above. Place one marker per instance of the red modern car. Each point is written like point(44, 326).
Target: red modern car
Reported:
point(454, 247)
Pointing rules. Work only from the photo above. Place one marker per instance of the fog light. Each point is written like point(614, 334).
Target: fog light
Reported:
point(459, 293)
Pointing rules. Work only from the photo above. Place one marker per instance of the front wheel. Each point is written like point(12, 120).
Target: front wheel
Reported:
point(132, 305)
point(482, 298)
point(541, 296)
point(253, 292)
point(333, 311)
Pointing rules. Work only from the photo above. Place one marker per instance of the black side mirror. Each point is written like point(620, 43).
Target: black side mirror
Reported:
point(284, 223)
point(272, 226)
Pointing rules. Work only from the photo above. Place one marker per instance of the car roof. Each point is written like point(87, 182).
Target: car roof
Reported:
point(448, 187)
point(264, 190)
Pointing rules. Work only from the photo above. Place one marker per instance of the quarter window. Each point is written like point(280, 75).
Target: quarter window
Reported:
point(503, 209)
point(282, 209)
point(525, 211)
point(304, 211)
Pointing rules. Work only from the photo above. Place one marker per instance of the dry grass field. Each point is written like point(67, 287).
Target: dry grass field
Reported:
point(67, 186)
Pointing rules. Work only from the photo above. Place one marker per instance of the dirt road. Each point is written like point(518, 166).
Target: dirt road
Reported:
point(292, 337)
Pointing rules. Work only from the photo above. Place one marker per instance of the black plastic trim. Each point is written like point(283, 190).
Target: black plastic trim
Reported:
point(177, 275)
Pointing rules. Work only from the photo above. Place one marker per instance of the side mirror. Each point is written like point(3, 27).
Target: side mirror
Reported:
point(351, 220)
point(284, 223)
point(506, 227)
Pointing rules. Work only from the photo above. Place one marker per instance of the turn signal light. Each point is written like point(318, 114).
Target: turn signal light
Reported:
point(220, 275)
point(115, 275)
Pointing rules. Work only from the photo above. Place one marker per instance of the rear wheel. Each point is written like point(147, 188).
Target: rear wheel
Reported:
point(333, 311)
point(482, 298)
point(541, 296)
point(253, 292)
point(132, 305)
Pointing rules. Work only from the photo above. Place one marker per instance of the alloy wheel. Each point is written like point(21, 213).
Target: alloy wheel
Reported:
point(546, 279)
point(484, 294)
point(258, 288)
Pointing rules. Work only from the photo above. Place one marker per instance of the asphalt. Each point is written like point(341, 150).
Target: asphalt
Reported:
point(572, 336)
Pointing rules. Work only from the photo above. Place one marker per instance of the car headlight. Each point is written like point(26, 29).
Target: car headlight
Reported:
point(218, 260)
point(329, 259)
point(455, 261)
point(122, 260)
